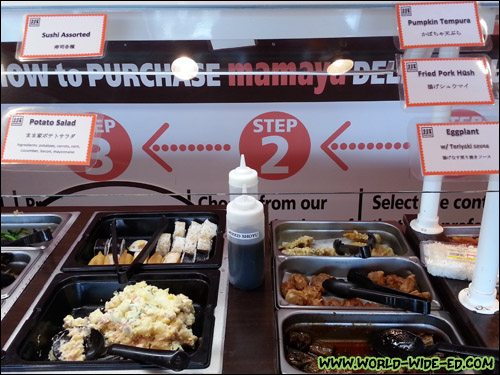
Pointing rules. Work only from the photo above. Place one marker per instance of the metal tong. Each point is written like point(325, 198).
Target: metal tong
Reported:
point(360, 286)
point(361, 251)
point(36, 237)
point(124, 275)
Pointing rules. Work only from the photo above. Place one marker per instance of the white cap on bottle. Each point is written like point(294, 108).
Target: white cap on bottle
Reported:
point(245, 212)
point(243, 176)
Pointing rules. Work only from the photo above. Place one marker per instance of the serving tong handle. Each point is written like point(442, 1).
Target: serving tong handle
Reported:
point(360, 251)
point(124, 275)
point(347, 289)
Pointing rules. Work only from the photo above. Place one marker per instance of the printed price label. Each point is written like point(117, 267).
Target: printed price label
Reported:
point(57, 36)
point(49, 138)
point(439, 24)
point(458, 148)
point(446, 81)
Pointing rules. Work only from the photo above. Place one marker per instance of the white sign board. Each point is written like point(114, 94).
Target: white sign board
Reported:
point(458, 149)
point(460, 81)
point(49, 138)
point(63, 36)
point(430, 24)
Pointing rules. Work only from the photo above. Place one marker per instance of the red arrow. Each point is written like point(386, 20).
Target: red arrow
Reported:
point(147, 147)
point(326, 146)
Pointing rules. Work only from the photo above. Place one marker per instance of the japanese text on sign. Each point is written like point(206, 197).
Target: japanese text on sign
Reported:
point(49, 138)
point(71, 35)
point(446, 82)
point(439, 25)
point(459, 149)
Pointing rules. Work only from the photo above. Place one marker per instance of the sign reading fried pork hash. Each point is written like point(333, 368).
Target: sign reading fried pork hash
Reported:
point(459, 81)
point(68, 35)
point(49, 138)
point(439, 24)
point(458, 149)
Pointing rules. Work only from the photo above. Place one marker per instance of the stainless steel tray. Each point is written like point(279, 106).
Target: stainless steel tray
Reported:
point(352, 325)
point(462, 230)
point(340, 266)
point(55, 221)
point(58, 222)
point(20, 265)
point(287, 231)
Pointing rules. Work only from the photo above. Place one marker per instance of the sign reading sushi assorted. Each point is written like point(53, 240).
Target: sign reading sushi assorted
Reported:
point(61, 36)
point(458, 149)
point(458, 81)
point(49, 138)
point(439, 25)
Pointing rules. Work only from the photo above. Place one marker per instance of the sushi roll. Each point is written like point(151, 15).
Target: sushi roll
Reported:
point(179, 229)
point(178, 245)
point(164, 243)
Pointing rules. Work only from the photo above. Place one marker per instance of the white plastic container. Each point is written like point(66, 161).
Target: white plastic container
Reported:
point(243, 176)
point(245, 233)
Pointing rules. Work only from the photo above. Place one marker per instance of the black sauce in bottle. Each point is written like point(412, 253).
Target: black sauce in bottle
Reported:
point(246, 265)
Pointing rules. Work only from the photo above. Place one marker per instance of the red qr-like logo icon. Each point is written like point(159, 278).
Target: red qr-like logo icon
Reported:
point(276, 145)
point(113, 151)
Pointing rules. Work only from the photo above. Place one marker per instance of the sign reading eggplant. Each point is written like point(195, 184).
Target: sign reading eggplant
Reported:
point(49, 138)
point(459, 149)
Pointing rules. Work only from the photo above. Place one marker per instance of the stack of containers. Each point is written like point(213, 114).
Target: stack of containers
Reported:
point(350, 328)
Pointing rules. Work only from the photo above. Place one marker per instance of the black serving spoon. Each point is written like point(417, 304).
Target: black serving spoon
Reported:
point(94, 347)
point(400, 343)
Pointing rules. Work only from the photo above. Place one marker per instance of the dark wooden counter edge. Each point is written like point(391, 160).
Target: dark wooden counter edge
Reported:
point(250, 340)
point(477, 329)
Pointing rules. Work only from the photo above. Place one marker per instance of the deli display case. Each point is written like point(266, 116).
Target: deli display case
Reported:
point(110, 145)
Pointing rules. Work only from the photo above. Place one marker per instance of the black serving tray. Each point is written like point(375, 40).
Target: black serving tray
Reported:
point(132, 226)
point(79, 295)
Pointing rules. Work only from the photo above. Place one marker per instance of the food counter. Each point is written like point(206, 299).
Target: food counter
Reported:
point(256, 321)
point(249, 331)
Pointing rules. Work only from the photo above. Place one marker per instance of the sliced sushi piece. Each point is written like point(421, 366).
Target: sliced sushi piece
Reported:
point(172, 257)
point(179, 229)
point(163, 244)
point(137, 246)
point(178, 245)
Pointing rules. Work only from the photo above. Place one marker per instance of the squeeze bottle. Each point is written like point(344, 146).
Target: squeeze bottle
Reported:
point(240, 176)
point(245, 234)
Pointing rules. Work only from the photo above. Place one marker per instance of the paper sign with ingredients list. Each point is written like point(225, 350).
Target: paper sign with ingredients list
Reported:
point(49, 138)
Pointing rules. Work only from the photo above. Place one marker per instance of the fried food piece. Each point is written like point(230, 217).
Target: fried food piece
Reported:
point(97, 260)
point(426, 295)
point(409, 284)
point(285, 287)
point(382, 251)
point(394, 281)
point(296, 297)
point(361, 237)
point(299, 281)
point(353, 302)
point(304, 241)
point(317, 281)
point(308, 251)
point(377, 277)
point(332, 302)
